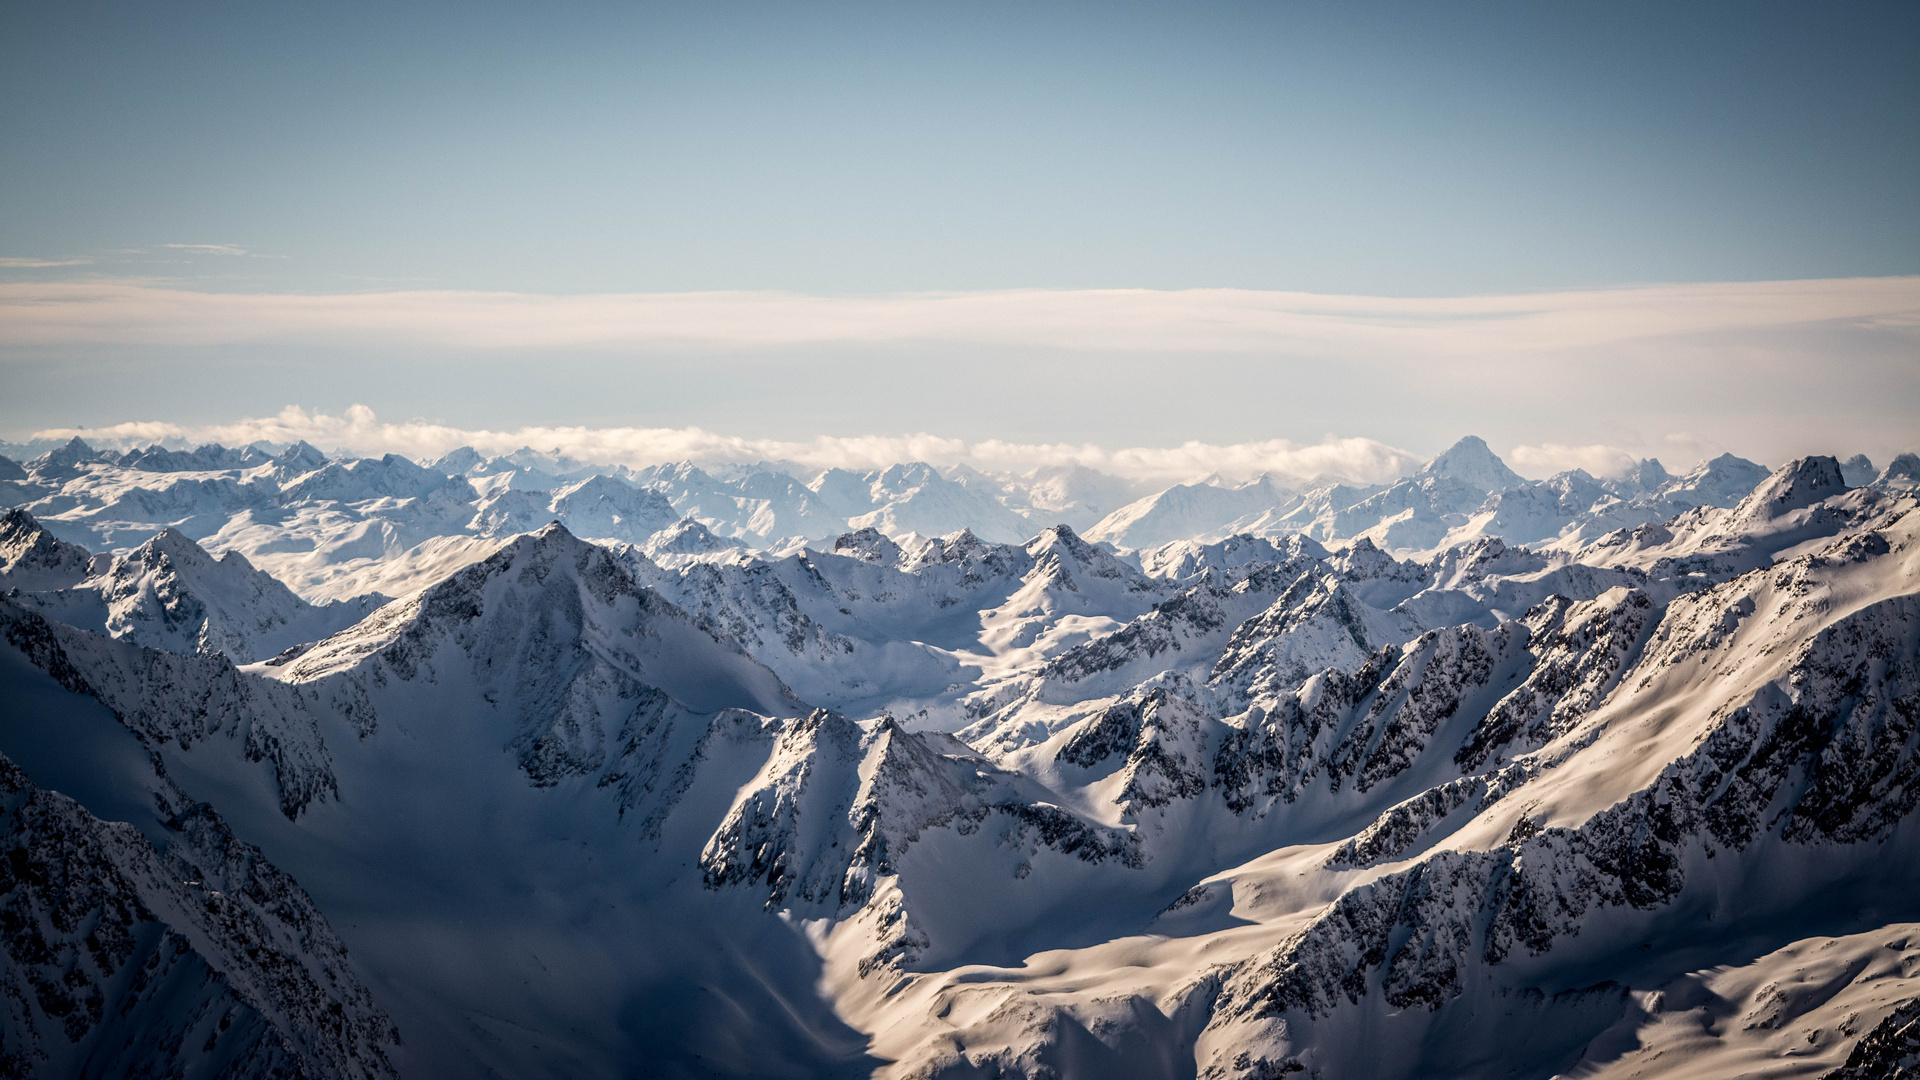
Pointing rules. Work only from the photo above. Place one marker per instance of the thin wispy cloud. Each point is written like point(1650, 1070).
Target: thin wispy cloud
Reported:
point(1592, 379)
point(209, 249)
point(361, 431)
point(15, 262)
point(1193, 320)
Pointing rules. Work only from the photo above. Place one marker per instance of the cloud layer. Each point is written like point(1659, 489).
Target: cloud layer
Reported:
point(1194, 320)
point(1184, 382)
point(361, 431)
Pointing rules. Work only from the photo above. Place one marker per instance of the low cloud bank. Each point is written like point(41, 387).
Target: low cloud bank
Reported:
point(360, 430)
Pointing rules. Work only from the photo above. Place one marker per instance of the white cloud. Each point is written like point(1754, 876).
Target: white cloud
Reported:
point(359, 429)
point(1466, 331)
point(208, 249)
point(1771, 370)
point(15, 262)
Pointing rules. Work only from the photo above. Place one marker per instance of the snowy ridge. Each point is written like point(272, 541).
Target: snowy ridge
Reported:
point(554, 623)
point(335, 528)
point(170, 594)
point(33, 559)
point(1189, 510)
point(1235, 806)
point(167, 698)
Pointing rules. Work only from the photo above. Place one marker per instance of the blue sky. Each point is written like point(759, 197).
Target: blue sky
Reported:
point(1410, 149)
point(1393, 150)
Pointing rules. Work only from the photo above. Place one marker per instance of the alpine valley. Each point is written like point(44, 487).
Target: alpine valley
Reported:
point(522, 766)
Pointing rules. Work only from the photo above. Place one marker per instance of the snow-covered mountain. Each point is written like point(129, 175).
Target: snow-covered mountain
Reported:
point(1461, 775)
point(170, 594)
point(598, 506)
point(1071, 495)
point(33, 559)
point(336, 529)
point(915, 498)
point(1186, 511)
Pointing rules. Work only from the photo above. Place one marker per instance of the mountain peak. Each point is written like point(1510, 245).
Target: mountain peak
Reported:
point(546, 611)
point(74, 453)
point(302, 456)
point(173, 544)
point(1647, 474)
point(1902, 471)
point(688, 536)
point(33, 559)
point(869, 545)
point(1056, 534)
point(1858, 471)
point(1796, 484)
point(459, 462)
point(1472, 461)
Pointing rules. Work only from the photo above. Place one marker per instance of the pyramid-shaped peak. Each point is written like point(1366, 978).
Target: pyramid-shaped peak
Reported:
point(1796, 484)
point(551, 545)
point(1731, 463)
point(169, 541)
point(170, 547)
point(552, 534)
point(1473, 462)
point(73, 453)
point(909, 472)
point(964, 540)
point(597, 484)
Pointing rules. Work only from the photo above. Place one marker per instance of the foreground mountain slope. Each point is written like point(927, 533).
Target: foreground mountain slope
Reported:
point(169, 947)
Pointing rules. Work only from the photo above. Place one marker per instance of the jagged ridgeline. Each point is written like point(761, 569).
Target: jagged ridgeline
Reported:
point(519, 767)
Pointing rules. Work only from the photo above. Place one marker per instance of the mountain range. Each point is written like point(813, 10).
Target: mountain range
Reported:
point(527, 767)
